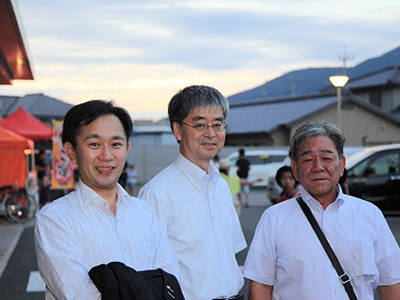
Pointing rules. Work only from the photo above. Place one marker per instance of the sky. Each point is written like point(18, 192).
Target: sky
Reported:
point(139, 53)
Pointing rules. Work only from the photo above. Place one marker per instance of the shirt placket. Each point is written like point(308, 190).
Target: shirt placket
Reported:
point(325, 222)
point(216, 225)
point(121, 236)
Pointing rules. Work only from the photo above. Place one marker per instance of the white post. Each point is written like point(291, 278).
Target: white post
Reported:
point(339, 106)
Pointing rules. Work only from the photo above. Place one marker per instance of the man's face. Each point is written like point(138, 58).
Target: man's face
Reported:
point(318, 167)
point(100, 153)
point(200, 147)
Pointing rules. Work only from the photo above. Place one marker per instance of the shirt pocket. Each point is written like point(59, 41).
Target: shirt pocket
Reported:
point(361, 260)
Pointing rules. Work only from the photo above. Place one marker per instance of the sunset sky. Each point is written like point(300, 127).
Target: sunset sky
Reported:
point(141, 52)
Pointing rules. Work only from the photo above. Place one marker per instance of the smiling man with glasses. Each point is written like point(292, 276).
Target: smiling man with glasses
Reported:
point(193, 201)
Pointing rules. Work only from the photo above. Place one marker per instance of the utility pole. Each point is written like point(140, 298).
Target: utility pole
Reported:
point(344, 59)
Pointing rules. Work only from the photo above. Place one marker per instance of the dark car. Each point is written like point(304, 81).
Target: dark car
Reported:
point(374, 175)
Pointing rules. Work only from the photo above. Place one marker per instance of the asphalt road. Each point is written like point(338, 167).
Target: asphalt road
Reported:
point(18, 268)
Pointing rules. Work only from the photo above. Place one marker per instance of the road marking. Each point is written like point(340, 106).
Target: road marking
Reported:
point(35, 283)
point(8, 241)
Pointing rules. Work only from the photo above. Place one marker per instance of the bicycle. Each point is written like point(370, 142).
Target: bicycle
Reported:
point(16, 204)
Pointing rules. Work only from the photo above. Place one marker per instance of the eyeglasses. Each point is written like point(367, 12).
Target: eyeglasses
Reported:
point(218, 127)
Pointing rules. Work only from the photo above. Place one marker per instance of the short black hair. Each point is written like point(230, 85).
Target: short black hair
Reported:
point(85, 113)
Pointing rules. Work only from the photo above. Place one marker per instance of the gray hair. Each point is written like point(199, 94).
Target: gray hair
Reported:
point(192, 97)
point(313, 129)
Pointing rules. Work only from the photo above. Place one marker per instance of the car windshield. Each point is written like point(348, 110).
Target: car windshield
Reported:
point(356, 157)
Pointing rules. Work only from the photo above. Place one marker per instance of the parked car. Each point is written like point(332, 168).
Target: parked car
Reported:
point(262, 162)
point(374, 175)
point(274, 190)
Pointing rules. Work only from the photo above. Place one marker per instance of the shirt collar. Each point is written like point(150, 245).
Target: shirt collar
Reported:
point(86, 196)
point(196, 174)
point(338, 203)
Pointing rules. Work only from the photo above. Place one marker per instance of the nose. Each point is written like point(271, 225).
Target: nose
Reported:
point(318, 165)
point(106, 153)
point(210, 131)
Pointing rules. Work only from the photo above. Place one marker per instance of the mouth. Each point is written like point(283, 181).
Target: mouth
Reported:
point(209, 143)
point(319, 179)
point(105, 170)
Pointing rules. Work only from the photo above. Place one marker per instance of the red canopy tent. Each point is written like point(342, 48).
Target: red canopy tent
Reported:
point(13, 157)
point(23, 123)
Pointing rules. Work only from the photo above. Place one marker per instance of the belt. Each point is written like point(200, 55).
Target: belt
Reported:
point(237, 297)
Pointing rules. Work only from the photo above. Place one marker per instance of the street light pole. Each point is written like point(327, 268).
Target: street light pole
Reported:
point(339, 106)
point(339, 81)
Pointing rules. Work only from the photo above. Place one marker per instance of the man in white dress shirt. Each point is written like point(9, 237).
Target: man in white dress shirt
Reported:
point(287, 261)
point(193, 201)
point(98, 223)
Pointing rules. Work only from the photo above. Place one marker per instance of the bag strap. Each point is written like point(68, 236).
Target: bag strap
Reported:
point(344, 278)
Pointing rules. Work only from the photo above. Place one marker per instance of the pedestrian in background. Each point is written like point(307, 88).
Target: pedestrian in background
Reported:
point(42, 170)
point(99, 222)
point(194, 203)
point(122, 178)
point(285, 179)
point(131, 179)
point(286, 259)
point(243, 168)
point(234, 182)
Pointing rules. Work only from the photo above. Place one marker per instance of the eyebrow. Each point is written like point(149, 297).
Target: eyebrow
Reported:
point(322, 151)
point(198, 118)
point(96, 136)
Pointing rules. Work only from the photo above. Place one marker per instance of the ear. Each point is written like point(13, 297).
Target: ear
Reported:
point(70, 151)
point(293, 165)
point(177, 130)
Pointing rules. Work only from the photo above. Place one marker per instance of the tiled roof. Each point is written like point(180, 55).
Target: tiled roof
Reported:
point(39, 105)
point(7, 102)
point(380, 78)
point(268, 116)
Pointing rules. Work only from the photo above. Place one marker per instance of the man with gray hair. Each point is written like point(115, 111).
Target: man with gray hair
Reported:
point(194, 203)
point(286, 259)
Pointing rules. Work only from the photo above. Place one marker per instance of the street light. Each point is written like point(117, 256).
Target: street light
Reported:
point(339, 81)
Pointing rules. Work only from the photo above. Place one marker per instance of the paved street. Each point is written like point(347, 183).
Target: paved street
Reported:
point(19, 279)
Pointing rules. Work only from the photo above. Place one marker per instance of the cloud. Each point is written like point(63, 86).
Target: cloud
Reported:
point(141, 52)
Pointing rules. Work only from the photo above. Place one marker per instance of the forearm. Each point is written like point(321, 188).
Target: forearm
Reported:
point(61, 267)
point(260, 291)
point(250, 182)
point(389, 292)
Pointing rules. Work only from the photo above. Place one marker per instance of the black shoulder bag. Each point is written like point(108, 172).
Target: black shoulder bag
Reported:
point(344, 278)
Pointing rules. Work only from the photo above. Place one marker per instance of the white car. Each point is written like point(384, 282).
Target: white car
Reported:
point(262, 163)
